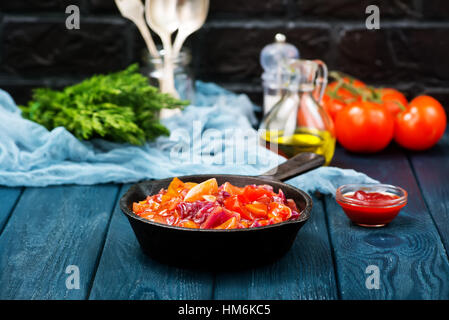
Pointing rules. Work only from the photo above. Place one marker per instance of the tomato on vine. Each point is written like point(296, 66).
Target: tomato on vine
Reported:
point(341, 92)
point(364, 126)
point(332, 106)
point(421, 125)
point(393, 100)
point(342, 88)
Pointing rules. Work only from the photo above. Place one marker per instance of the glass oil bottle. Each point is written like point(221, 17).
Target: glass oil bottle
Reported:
point(298, 123)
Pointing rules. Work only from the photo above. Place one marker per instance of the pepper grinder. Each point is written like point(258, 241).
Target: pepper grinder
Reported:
point(274, 59)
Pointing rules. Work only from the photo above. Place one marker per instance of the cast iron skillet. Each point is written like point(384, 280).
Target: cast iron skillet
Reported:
point(223, 249)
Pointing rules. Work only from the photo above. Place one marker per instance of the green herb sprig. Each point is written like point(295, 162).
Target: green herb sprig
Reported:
point(120, 107)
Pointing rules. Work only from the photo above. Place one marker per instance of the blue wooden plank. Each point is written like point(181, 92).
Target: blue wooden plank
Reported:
point(409, 253)
point(432, 171)
point(8, 198)
point(305, 272)
point(124, 272)
point(49, 230)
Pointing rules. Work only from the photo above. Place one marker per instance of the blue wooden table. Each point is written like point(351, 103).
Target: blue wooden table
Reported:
point(44, 231)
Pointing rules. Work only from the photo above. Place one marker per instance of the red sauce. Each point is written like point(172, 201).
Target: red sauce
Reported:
point(371, 208)
point(370, 197)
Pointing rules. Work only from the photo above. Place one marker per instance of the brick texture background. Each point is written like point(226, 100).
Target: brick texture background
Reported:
point(409, 52)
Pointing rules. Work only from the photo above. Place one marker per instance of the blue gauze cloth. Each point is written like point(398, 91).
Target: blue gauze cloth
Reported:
point(205, 138)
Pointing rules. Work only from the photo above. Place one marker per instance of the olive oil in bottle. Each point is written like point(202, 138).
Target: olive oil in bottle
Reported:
point(297, 122)
point(302, 140)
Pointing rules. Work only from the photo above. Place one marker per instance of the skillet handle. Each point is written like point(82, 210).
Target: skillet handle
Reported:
point(295, 166)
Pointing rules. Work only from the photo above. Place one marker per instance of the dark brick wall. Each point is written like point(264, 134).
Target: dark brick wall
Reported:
point(409, 52)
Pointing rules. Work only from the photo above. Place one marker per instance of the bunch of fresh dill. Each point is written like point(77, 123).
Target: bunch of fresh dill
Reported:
point(120, 107)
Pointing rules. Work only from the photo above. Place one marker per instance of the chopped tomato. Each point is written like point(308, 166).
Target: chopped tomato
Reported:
point(259, 210)
point(189, 185)
point(279, 210)
point(175, 185)
point(172, 204)
point(231, 189)
point(230, 224)
point(244, 224)
point(208, 187)
point(265, 199)
point(159, 219)
point(139, 208)
point(252, 193)
point(173, 189)
point(233, 204)
point(274, 220)
point(189, 224)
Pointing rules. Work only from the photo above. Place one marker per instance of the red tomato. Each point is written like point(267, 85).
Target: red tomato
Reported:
point(232, 203)
point(173, 189)
point(364, 127)
point(208, 187)
point(252, 193)
point(157, 218)
point(421, 125)
point(139, 208)
point(231, 189)
point(393, 100)
point(189, 224)
point(277, 210)
point(343, 93)
point(229, 224)
point(332, 106)
point(265, 199)
point(258, 210)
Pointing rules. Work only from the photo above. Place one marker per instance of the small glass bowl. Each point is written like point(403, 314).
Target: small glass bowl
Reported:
point(371, 213)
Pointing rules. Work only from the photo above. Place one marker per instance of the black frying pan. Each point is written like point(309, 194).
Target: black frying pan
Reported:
point(224, 249)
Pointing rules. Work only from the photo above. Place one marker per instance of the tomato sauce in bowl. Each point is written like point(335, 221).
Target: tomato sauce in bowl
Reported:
point(371, 205)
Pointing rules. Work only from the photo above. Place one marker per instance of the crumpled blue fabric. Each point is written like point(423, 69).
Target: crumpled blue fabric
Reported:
point(205, 138)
